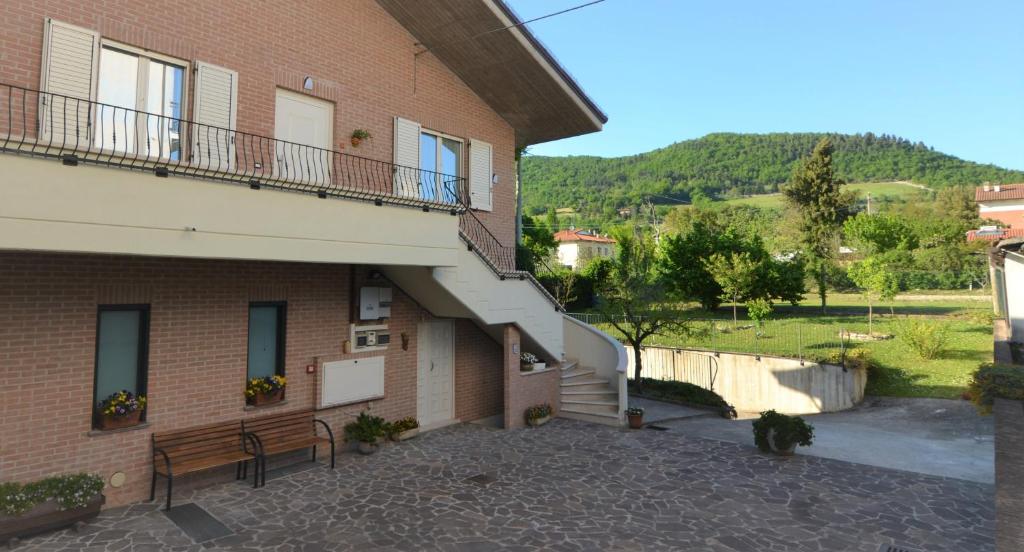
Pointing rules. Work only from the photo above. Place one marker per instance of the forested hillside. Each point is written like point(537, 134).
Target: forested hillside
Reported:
point(729, 165)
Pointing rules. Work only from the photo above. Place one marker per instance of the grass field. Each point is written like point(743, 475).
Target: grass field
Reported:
point(877, 189)
point(802, 332)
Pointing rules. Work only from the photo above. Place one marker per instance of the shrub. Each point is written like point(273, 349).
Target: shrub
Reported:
point(392, 429)
point(992, 381)
point(634, 411)
point(677, 391)
point(538, 411)
point(788, 430)
point(927, 338)
point(366, 428)
point(70, 491)
point(759, 310)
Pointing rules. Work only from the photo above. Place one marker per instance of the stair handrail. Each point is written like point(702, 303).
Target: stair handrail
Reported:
point(501, 259)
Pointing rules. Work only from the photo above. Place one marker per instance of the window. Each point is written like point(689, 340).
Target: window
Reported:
point(440, 166)
point(122, 350)
point(266, 339)
point(132, 83)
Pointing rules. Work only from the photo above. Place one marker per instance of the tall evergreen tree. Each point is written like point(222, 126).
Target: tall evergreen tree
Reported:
point(817, 194)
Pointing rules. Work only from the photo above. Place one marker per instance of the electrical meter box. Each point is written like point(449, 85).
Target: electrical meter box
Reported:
point(374, 303)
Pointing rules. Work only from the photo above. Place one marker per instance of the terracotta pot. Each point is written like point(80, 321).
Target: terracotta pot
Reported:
point(788, 451)
point(263, 399)
point(356, 142)
point(118, 422)
point(526, 367)
point(535, 422)
point(636, 421)
point(366, 447)
point(46, 516)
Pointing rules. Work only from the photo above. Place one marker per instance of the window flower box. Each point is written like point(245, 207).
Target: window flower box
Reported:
point(120, 410)
point(265, 391)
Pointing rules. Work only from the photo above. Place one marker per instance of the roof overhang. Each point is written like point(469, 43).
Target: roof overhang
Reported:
point(509, 69)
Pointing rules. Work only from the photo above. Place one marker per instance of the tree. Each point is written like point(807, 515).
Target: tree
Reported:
point(538, 244)
point(632, 295)
point(735, 273)
point(879, 233)
point(759, 310)
point(682, 266)
point(877, 281)
point(817, 194)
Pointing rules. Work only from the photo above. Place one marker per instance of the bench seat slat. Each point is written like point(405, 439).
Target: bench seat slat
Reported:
point(203, 462)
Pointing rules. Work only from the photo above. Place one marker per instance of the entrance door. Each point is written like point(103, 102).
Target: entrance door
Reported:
point(435, 383)
point(303, 127)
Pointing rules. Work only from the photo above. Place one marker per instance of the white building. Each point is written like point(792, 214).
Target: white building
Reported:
point(577, 247)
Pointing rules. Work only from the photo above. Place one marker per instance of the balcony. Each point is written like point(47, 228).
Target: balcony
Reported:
point(212, 192)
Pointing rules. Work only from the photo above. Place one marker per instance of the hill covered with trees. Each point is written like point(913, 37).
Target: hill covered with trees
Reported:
point(726, 165)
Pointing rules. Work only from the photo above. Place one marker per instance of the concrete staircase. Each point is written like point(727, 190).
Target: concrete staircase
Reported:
point(588, 397)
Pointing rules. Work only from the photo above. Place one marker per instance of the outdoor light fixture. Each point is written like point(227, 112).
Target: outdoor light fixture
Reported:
point(307, 83)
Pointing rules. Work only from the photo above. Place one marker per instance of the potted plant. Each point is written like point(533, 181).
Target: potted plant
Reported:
point(403, 429)
point(120, 409)
point(529, 362)
point(538, 415)
point(52, 503)
point(358, 135)
point(780, 434)
point(365, 431)
point(265, 390)
point(635, 415)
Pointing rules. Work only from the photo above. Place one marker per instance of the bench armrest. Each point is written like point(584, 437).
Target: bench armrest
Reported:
point(257, 444)
point(330, 434)
point(167, 459)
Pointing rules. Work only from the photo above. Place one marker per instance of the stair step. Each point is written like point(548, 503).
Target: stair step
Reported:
point(569, 365)
point(579, 382)
point(590, 402)
point(611, 392)
point(578, 372)
point(608, 418)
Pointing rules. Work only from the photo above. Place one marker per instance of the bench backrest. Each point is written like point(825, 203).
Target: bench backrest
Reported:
point(281, 426)
point(200, 441)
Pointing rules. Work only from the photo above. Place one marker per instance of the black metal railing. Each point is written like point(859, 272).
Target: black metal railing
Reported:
point(77, 130)
point(501, 259)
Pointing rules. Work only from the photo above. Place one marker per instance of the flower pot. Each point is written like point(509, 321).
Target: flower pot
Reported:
point(108, 421)
point(788, 451)
point(535, 422)
point(636, 421)
point(407, 434)
point(356, 142)
point(366, 447)
point(263, 399)
point(46, 516)
point(539, 365)
point(525, 367)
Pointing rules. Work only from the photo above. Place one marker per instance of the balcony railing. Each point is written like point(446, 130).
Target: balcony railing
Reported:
point(76, 130)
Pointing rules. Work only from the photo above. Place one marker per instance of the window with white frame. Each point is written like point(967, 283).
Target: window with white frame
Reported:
point(440, 166)
point(141, 96)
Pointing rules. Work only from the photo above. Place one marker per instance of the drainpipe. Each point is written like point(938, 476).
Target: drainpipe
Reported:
point(519, 199)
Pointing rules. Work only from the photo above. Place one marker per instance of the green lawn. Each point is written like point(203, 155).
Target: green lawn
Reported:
point(802, 332)
point(877, 189)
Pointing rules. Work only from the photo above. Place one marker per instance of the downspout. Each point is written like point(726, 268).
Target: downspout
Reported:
point(519, 196)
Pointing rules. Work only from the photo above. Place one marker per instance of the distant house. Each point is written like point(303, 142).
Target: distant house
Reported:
point(1004, 203)
point(576, 247)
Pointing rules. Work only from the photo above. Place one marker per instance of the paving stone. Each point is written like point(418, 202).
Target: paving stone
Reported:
point(568, 486)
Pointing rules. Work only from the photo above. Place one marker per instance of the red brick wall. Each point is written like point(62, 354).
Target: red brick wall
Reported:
point(525, 389)
point(359, 57)
point(197, 358)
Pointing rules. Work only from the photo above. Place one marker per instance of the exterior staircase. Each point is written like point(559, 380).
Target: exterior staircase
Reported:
point(587, 396)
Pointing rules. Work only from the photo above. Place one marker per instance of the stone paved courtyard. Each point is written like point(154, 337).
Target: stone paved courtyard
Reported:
point(568, 486)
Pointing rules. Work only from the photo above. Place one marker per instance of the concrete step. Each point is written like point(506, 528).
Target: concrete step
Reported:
point(610, 408)
point(569, 365)
point(577, 373)
point(573, 393)
point(611, 419)
point(583, 383)
point(589, 402)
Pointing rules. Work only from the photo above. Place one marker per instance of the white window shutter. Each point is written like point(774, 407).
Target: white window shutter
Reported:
point(70, 65)
point(481, 167)
point(407, 158)
point(214, 112)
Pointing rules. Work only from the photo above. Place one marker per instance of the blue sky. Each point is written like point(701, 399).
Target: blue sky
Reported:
point(948, 73)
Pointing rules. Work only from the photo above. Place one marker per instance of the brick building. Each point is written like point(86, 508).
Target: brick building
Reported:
point(184, 205)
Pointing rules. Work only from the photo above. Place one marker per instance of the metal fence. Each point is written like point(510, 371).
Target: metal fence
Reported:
point(783, 337)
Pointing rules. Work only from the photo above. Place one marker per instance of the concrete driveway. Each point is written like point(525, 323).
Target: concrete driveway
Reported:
point(930, 436)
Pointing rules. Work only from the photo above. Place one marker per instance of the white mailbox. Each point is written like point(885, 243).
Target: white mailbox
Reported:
point(374, 303)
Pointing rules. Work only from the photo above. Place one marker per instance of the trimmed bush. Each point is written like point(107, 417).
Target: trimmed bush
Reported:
point(677, 391)
point(928, 338)
point(788, 430)
point(992, 381)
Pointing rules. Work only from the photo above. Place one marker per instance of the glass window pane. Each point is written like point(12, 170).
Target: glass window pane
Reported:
point(263, 333)
point(163, 100)
point(117, 354)
point(428, 165)
point(118, 90)
point(451, 164)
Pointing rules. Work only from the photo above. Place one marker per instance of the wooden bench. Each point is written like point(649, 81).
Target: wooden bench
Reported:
point(286, 432)
point(193, 449)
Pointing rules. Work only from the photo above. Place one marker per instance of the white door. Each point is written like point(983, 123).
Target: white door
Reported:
point(435, 383)
point(303, 127)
